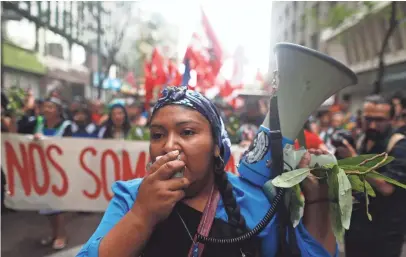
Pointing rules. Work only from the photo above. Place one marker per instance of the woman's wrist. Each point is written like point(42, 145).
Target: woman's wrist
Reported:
point(140, 217)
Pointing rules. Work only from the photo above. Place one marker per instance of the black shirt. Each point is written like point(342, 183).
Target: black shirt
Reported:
point(388, 212)
point(171, 239)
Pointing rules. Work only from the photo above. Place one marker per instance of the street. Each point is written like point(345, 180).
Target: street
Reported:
point(21, 232)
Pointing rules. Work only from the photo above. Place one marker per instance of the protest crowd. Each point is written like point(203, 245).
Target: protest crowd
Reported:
point(334, 128)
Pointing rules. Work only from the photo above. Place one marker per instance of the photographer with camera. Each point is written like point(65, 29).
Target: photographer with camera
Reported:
point(384, 235)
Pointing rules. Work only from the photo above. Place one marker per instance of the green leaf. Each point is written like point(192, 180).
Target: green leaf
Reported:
point(344, 198)
point(296, 205)
point(335, 213)
point(355, 161)
point(291, 178)
point(367, 205)
point(377, 175)
point(336, 224)
point(358, 185)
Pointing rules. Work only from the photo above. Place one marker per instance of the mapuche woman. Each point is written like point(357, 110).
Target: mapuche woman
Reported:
point(160, 214)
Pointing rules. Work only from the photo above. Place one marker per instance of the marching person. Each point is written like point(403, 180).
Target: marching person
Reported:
point(118, 124)
point(51, 124)
point(160, 214)
point(82, 125)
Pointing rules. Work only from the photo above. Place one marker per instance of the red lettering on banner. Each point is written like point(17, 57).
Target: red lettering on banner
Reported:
point(61, 171)
point(139, 168)
point(22, 168)
point(104, 171)
point(91, 173)
point(40, 190)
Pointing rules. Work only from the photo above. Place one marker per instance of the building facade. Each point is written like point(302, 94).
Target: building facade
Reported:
point(356, 42)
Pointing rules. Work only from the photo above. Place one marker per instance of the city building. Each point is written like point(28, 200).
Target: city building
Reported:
point(59, 36)
point(356, 42)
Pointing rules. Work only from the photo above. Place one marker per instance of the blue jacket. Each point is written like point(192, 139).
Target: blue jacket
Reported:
point(253, 204)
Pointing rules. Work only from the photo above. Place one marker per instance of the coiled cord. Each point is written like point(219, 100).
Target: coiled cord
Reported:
point(255, 231)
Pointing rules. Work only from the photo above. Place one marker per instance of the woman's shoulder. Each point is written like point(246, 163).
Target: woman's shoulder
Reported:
point(243, 188)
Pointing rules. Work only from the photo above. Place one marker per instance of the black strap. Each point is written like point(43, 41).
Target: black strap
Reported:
point(284, 249)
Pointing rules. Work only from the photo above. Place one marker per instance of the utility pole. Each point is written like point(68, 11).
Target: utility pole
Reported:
point(99, 54)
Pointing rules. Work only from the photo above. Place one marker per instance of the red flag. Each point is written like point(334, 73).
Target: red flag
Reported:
point(157, 68)
point(148, 84)
point(204, 54)
point(174, 76)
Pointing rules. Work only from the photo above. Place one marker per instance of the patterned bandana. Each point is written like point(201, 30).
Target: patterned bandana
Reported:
point(182, 96)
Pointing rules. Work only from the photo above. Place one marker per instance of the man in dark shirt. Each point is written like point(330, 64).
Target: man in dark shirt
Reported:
point(384, 235)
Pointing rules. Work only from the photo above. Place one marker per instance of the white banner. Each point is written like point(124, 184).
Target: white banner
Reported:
point(72, 174)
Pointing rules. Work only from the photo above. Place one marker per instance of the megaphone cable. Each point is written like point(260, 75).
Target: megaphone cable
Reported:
point(276, 149)
point(255, 231)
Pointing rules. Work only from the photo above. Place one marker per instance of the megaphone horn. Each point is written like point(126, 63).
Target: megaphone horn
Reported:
point(304, 79)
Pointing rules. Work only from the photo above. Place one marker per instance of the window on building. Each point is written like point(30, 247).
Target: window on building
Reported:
point(315, 41)
point(287, 12)
point(285, 36)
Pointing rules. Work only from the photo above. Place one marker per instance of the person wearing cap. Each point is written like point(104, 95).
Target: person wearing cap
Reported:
point(51, 124)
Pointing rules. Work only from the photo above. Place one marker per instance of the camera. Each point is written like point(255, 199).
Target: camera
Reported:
point(339, 135)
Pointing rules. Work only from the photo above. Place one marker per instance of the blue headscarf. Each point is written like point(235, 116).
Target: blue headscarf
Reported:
point(182, 96)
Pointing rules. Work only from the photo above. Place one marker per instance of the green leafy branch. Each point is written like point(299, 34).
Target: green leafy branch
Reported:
point(348, 175)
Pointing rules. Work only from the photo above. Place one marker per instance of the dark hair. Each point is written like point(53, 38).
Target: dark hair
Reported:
point(109, 123)
point(321, 113)
point(378, 99)
point(85, 109)
point(231, 206)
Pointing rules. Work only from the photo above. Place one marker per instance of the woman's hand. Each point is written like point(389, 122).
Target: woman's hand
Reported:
point(316, 216)
point(159, 192)
point(312, 189)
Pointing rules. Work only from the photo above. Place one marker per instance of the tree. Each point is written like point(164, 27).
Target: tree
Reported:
point(113, 21)
point(340, 12)
point(149, 34)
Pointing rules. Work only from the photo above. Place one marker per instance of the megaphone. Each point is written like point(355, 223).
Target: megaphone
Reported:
point(304, 79)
